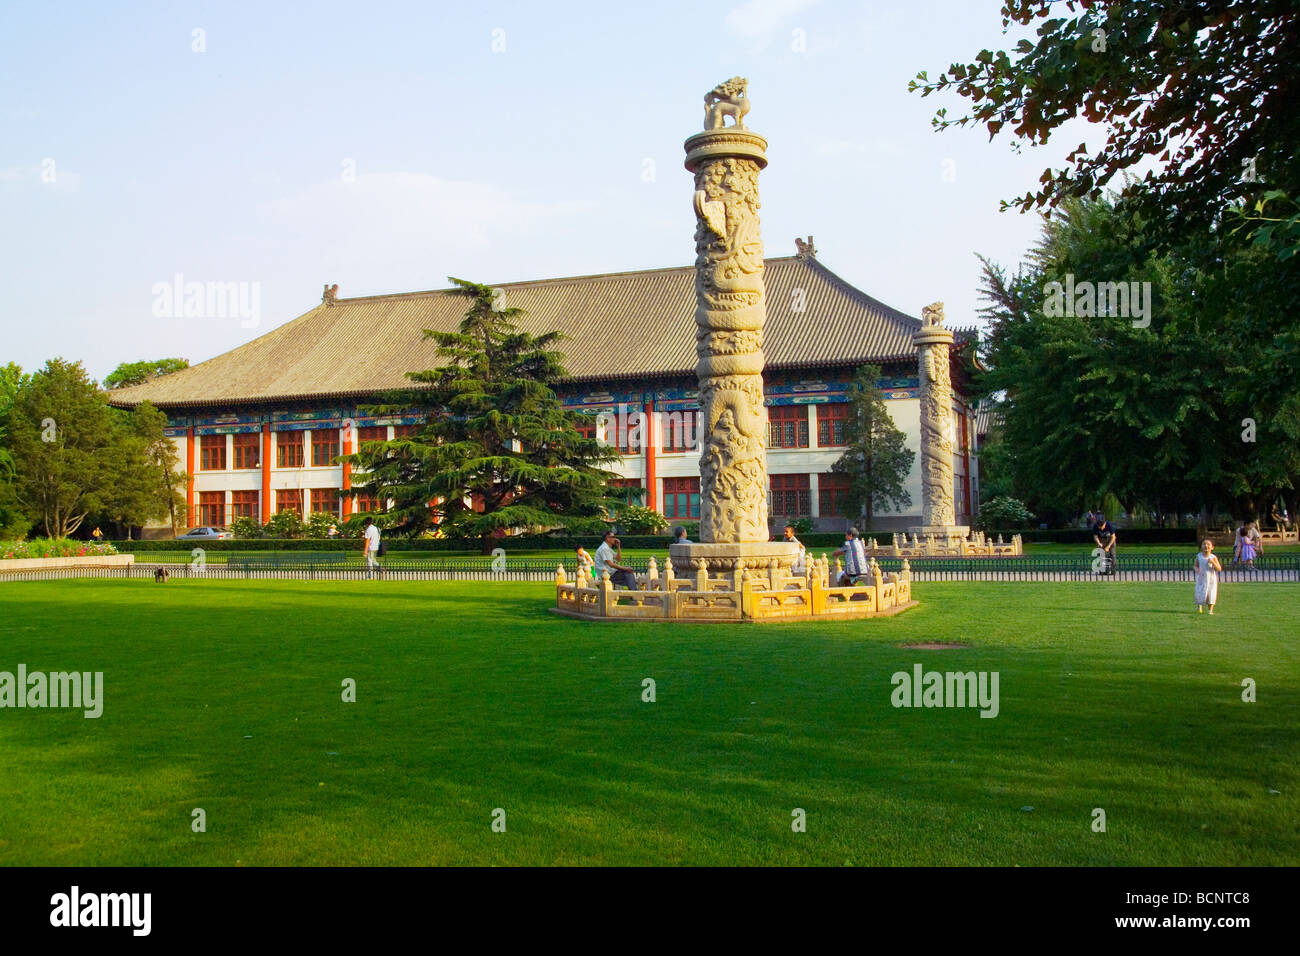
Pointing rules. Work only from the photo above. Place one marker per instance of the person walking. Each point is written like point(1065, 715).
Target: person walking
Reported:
point(370, 546)
point(1207, 568)
point(855, 558)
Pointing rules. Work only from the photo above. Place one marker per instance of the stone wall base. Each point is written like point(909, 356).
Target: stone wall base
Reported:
point(84, 561)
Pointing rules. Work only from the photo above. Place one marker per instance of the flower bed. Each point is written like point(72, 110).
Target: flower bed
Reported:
point(53, 548)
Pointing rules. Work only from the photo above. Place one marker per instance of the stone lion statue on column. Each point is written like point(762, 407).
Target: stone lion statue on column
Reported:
point(726, 99)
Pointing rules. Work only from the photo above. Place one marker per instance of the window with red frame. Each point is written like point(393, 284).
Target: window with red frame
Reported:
point(324, 447)
point(289, 499)
point(629, 432)
point(788, 425)
point(586, 426)
point(367, 504)
point(791, 497)
point(324, 499)
point(212, 453)
point(248, 450)
point(372, 433)
point(212, 508)
point(831, 489)
point(288, 450)
point(631, 488)
point(679, 431)
point(681, 497)
point(243, 504)
point(405, 431)
point(830, 424)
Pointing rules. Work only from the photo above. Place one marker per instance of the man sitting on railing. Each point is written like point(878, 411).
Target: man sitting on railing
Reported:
point(618, 574)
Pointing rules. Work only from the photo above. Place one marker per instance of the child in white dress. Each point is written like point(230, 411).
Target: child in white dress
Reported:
point(1207, 569)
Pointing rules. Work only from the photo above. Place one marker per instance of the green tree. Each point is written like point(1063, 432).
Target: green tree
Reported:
point(1003, 514)
point(636, 519)
point(285, 524)
point(13, 523)
point(137, 373)
point(1204, 95)
point(143, 463)
point(498, 451)
point(319, 523)
point(61, 434)
point(1202, 92)
point(1095, 403)
point(877, 460)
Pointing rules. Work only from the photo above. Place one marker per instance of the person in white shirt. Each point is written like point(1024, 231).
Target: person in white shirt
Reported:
point(801, 559)
point(855, 558)
point(605, 561)
point(370, 549)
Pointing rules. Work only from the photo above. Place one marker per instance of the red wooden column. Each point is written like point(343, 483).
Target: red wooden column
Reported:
point(650, 435)
point(347, 474)
point(266, 473)
point(965, 452)
point(189, 484)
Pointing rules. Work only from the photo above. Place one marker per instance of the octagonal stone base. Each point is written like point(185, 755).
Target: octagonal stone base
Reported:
point(941, 530)
point(721, 558)
point(764, 592)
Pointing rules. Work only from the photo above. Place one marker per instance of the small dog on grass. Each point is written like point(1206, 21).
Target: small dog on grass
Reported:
point(160, 575)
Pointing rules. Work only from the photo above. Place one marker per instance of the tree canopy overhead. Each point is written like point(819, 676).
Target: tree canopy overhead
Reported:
point(1205, 90)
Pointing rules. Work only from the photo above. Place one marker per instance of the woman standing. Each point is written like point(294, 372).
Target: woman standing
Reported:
point(1251, 545)
point(1207, 569)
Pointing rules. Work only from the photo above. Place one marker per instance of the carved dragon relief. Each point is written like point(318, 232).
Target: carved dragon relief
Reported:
point(936, 419)
point(730, 313)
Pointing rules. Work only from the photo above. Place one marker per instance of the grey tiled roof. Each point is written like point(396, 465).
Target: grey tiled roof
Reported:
point(617, 326)
point(986, 416)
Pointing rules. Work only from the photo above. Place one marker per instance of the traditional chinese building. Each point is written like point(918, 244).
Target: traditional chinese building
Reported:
point(258, 428)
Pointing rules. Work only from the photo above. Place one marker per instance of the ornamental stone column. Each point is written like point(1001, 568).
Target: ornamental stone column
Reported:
point(933, 342)
point(730, 311)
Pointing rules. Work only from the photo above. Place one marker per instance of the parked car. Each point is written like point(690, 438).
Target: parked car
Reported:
point(205, 534)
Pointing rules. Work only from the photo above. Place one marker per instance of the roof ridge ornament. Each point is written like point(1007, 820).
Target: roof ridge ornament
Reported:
point(805, 249)
point(330, 295)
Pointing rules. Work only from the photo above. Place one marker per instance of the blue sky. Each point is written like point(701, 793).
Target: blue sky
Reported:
point(387, 145)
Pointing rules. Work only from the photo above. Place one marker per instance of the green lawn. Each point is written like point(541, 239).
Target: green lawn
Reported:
point(225, 695)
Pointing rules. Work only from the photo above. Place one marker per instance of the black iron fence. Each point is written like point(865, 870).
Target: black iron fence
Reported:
point(338, 566)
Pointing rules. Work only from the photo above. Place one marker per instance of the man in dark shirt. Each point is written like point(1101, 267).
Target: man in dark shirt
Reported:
point(1103, 532)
